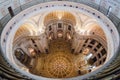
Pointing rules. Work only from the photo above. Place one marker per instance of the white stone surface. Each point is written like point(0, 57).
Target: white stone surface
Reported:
point(4, 4)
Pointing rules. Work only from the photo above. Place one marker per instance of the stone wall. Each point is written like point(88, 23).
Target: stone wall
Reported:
point(4, 4)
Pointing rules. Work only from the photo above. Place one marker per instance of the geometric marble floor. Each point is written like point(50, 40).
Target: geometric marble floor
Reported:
point(59, 62)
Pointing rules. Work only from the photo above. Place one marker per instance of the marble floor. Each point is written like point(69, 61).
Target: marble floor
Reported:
point(59, 62)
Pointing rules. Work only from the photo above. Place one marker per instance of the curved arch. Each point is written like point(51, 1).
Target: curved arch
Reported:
point(89, 21)
point(33, 26)
point(94, 28)
point(59, 15)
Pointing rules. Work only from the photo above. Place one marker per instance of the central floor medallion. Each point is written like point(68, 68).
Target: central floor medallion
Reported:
point(59, 65)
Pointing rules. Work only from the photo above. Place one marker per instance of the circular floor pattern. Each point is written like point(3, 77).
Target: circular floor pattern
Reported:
point(60, 62)
point(59, 65)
